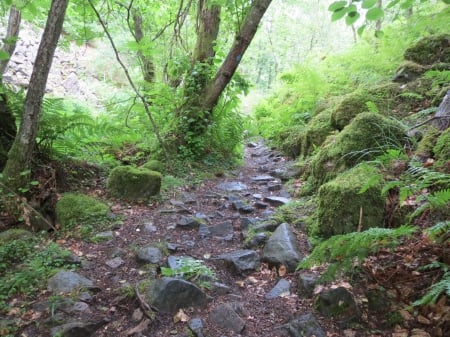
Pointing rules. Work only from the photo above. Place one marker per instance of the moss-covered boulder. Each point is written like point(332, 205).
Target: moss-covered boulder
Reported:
point(429, 50)
point(289, 140)
point(130, 183)
point(442, 151)
point(408, 71)
point(154, 165)
point(368, 135)
point(75, 209)
point(352, 105)
point(14, 234)
point(342, 209)
point(425, 147)
point(315, 132)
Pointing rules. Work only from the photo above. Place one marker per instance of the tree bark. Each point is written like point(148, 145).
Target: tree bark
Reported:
point(208, 100)
point(442, 115)
point(21, 152)
point(147, 65)
point(10, 39)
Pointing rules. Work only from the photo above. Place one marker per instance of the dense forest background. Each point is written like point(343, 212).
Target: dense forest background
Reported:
point(355, 93)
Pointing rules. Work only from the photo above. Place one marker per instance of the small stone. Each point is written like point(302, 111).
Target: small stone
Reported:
point(281, 289)
point(149, 254)
point(232, 186)
point(224, 316)
point(277, 201)
point(115, 263)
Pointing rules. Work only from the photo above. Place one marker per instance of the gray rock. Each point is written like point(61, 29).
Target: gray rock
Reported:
point(149, 254)
point(242, 207)
point(247, 222)
point(338, 303)
point(222, 230)
point(103, 236)
point(281, 289)
point(261, 205)
point(242, 260)
point(306, 284)
point(115, 263)
point(78, 329)
point(277, 201)
point(196, 325)
point(282, 248)
point(170, 294)
point(226, 317)
point(257, 240)
point(149, 227)
point(263, 178)
point(67, 281)
point(232, 186)
point(189, 222)
point(265, 226)
point(274, 187)
point(304, 326)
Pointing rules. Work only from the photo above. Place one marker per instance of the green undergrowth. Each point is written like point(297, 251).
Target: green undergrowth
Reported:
point(193, 270)
point(341, 253)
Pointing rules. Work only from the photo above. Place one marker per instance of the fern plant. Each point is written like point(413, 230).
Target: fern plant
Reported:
point(342, 252)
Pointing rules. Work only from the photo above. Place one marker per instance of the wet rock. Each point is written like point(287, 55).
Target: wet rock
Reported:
point(306, 284)
point(242, 260)
point(282, 248)
point(277, 201)
point(257, 240)
point(242, 207)
point(226, 317)
point(281, 289)
point(196, 326)
point(67, 281)
point(286, 173)
point(338, 303)
point(149, 254)
point(232, 186)
point(222, 230)
point(170, 294)
point(115, 263)
point(263, 178)
point(304, 326)
point(274, 187)
point(189, 222)
point(78, 329)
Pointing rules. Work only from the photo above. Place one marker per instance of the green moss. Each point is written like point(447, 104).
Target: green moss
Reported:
point(14, 234)
point(429, 50)
point(408, 71)
point(442, 151)
point(367, 136)
point(80, 210)
point(340, 204)
point(425, 146)
point(352, 105)
point(289, 140)
point(128, 182)
point(154, 165)
point(315, 132)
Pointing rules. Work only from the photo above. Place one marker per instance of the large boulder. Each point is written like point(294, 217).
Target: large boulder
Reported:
point(341, 208)
point(429, 50)
point(282, 248)
point(75, 209)
point(367, 136)
point(127, 182)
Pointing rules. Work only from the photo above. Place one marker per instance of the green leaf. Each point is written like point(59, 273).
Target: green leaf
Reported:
point(374, 14)
point(352, 18)
point(3, 55)
point(360, 30)
point(366, 4)
point(407, 4)
point(34, 183)
point(392, 3)
point(337, 6)
point(446, 2)
point(379, 34)
point(339, 14)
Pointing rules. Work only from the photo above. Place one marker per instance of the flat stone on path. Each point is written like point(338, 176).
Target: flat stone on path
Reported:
point(149, 254)
point(232, 186)
point(277, 201)
point(305, 326)
point(281, 289)
point(282, 248)
point(67, 281)
point(115, 263)
point(263, 178)
point(170, 294)
point(242, 260)
point(221, 230)
point(226, 317)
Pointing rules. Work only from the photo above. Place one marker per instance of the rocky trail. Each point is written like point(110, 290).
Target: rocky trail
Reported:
point(255, 289)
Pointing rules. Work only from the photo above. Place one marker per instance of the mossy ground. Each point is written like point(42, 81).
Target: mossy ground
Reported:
point(442, 151)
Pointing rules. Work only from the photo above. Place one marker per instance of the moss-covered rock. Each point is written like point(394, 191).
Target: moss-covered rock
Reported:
point(289, 140)
point(75, 209)
point(425, 146)
point(153, 165)
point(315, 132)
point(429, 50)
point(130, 183)
point(408, 71)
point(368, 135)
point(352, 105)
point(14, 234)
point(340, 205)
point(442, 151)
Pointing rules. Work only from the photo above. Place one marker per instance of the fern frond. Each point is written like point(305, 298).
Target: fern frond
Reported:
point(443, 286)
point(341, 252)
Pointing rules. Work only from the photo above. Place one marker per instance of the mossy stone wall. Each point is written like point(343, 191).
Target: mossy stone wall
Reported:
point(340, 203)
point(127, 182)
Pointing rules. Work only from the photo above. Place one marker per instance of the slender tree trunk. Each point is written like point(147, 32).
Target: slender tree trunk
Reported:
point(21, 153)
point(8, 127)
point(147, 65)
point(208, 100)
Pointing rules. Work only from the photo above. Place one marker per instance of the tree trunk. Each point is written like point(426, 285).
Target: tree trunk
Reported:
point(147, 65)
point(208, 100)
point(442, 114)
point(20, 155)
point(8, 127)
